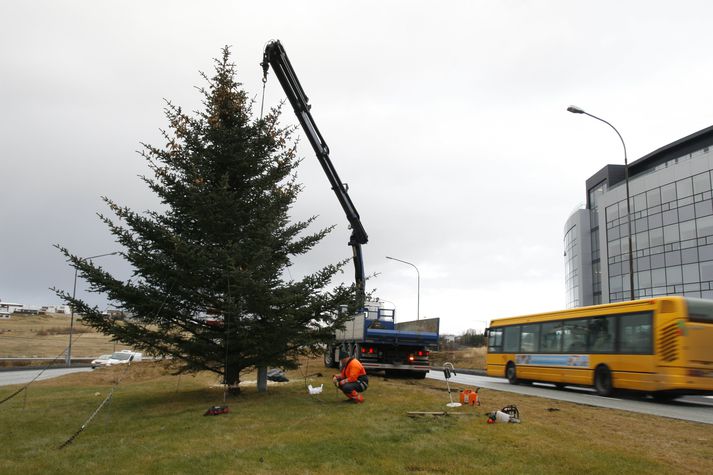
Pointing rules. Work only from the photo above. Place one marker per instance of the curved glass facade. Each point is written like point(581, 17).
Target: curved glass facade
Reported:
point(571, 269)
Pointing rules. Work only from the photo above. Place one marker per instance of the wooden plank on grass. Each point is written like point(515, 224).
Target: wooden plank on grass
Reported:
point(438, 413)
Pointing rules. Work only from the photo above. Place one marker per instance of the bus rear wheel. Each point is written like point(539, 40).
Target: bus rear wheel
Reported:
point(511, 373)
point(603, 381)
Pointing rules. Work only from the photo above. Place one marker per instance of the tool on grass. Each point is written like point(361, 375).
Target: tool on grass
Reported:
point(506, 414)
point(217, 410)
point(469, 397)
point(449, 370)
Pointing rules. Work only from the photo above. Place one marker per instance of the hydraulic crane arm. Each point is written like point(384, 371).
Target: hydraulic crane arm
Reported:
point(276, 57)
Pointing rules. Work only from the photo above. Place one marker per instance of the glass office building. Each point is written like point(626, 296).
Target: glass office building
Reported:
point(670, 196)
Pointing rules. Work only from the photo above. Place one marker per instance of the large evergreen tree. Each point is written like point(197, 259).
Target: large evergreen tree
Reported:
point(221, 245)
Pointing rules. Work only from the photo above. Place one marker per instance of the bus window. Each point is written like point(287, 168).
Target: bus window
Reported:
point(530, 338)
point(602, 334)
point(495, 340)
point(511, 339)
point(635, 333)
point(575, 335)
point(700, 310)
point(551, 337)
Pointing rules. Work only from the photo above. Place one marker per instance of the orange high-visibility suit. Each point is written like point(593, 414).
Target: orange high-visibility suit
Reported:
point(352, 380)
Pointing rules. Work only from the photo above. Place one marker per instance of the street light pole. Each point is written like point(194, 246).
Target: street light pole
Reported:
point(68, 361)
point(418, 288)
point(577, 110)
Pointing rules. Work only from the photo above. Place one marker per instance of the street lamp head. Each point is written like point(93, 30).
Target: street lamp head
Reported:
point(575, 110)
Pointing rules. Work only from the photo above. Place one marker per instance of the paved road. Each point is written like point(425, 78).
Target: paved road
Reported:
point(25, 376)
point(697, 409)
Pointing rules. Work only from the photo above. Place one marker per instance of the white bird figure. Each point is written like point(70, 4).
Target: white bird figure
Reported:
point(315, 390)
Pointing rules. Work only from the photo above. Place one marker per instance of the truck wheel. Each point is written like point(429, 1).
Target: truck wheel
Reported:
point(329, 360)
point(511, 373)
point(603, 381)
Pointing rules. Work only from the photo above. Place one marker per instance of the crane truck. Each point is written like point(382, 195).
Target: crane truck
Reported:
point(371, 335)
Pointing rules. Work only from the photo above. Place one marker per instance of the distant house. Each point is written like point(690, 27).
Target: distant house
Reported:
point(57, 309)
point(65, 309)
point(115, 313)
point(6, 308)
point(30, 310)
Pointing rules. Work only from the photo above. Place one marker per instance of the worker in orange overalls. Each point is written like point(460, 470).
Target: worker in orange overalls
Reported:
point(352, 380)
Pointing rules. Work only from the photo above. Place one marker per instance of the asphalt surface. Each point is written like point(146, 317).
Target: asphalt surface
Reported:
point(26, 375)
point(696, 409)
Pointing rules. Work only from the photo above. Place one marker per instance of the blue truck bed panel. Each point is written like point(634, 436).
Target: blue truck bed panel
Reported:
point(400, 336)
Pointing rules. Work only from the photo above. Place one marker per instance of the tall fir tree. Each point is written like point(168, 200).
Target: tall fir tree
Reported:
point(222, 244)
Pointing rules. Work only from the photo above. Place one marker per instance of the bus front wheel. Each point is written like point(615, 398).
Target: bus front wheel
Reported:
point(511, 373)
point(603, 381)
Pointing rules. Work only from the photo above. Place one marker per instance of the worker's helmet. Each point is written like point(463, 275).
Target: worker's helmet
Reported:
point(343, 353)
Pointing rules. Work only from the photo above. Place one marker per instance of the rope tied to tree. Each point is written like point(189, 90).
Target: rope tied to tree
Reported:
point(99, 408)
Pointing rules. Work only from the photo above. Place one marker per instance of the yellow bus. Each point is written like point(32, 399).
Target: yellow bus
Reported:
point(662, 346)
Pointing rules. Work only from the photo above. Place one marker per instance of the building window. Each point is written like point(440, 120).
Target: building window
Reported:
point(673, 241)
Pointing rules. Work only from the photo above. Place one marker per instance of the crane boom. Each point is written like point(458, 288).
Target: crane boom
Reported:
point(276, 57)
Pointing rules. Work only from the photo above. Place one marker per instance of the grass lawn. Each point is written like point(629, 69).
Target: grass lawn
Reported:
point(155, 424)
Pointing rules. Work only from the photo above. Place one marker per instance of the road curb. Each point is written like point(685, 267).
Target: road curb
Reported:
point(456, 371)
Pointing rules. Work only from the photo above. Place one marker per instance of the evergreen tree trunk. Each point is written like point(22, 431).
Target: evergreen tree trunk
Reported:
point(232, 378)
point(262, 379)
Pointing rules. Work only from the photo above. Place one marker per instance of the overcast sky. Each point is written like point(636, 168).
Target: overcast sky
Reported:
point(447, 120)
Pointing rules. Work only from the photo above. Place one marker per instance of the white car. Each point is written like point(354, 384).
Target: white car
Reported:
point(118, 357)
point(102, 360)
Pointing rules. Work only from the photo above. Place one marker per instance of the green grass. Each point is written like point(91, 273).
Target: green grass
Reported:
point(155, 424)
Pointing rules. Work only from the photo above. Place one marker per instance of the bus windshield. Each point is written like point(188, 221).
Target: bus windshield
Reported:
point(700, 310)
